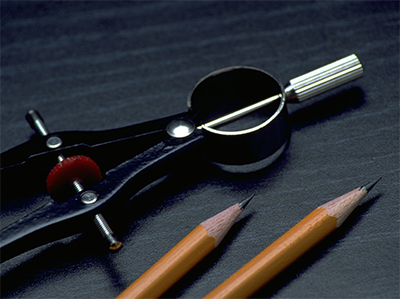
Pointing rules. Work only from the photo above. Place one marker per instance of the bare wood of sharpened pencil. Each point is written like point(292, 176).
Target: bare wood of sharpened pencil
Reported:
point(185, 255)
point(290, 246)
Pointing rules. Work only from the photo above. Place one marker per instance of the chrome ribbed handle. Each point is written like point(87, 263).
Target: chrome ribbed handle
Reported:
point(323, 79)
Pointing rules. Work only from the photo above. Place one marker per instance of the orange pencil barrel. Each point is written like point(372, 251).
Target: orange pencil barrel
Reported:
point(278, 256)
point(172, 266)
point(184, 255)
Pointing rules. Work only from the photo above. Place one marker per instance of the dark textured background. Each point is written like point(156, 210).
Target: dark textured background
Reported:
point(101, 65)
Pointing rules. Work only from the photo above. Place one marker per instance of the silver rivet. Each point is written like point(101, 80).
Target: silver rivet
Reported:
point(89, 197)
point(180, 128)
point(54, 142)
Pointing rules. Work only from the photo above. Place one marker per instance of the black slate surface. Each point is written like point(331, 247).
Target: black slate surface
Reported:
point(101, 65)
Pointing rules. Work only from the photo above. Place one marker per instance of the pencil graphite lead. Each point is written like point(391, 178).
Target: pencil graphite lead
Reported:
point(245, 202)
point(369, 186)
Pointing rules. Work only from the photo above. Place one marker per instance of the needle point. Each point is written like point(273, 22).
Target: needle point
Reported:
point(245, 202)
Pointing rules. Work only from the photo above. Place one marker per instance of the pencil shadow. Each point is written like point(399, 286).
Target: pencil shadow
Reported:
point(317, 253)
point(206, 264)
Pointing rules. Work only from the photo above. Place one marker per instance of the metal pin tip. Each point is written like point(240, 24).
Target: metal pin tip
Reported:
point(371, 185)
point(36, 122)
point(245, 202)
point(33, 115)
point(33, 112)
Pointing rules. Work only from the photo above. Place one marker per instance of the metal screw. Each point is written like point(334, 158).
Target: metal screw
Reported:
point(90, 197)
point(78, 187)
point(107, 232)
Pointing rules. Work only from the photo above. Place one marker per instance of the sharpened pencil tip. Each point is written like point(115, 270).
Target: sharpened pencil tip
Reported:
point(245, 202)
point(369, 186)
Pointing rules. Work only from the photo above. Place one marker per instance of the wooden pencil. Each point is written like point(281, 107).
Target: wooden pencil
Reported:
point(184, 255)
point(290, 246)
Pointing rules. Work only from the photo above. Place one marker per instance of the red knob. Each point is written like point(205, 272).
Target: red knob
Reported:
point(75, 168)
